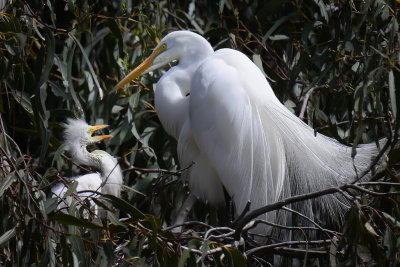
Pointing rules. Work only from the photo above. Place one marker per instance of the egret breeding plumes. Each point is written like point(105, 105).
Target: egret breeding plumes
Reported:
point(77, 136)
point(228, 121)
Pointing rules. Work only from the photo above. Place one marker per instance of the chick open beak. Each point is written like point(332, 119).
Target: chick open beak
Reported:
point(97, 127)
point(99, 137)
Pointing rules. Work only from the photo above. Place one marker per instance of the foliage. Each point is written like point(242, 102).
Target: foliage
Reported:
point(334, 63)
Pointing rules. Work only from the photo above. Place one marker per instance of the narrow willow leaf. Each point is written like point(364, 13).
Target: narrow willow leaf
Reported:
point(238, 259)
point(115, 29)
point(65, 67)
point(71, 189)
point(370, 229)
point(333, 251)
point(23, 99)
point(257, 60)
point(89, 65)
point(7, 236)
point(58, 153)
point(276, 25)
point(5, 184)
point(50, 50)
point(184, 257)
point(279, 37)
point(71, 220)
point(45, 137)
point(79, 248)
point(89, 80)
point(392, 93)
point(124, 206)
point(100, 35)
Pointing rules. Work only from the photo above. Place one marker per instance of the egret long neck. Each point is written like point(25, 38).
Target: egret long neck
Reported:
point(172, 100)
point(172, 92)
point(80, 154)
point(111, 174)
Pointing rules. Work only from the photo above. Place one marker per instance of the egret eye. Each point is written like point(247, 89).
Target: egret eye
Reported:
point(164, 46)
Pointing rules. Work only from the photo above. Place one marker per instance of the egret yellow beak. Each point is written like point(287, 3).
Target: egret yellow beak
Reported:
point(101, 137)
point(96, 128)
point(139, 69)
point(135, 73)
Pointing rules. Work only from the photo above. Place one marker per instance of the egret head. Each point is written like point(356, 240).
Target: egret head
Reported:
point(177, 45)
point(78, 131)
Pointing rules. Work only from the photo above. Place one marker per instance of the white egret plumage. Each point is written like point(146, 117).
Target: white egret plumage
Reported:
point(77, 136)
point(228, 121)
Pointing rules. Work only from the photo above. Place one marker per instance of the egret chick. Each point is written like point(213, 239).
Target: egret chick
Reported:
point(77, 136)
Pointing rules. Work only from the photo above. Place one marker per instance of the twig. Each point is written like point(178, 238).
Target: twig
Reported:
point(284, 244)
point(161, 171)
point(305, 100)
point(187, 224)
point(299, 228)
point(209, 236)
point(298, 252)
point(245, 210)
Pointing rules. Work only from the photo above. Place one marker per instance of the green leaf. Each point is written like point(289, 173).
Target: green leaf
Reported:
point(79, 248)
point(51, 204)
point(71, 189)
point(7, 236)
point(184, 257)
point(89, 65)
point(238, 259)
point(257, 60)
point(392, 93)
point(5, 184)
point(23, 99)
point(45, 137)
point(124, 206)
point(65, 68)
point(333, 251)
point(71, 220)
point(278, 23)
point(50, 45)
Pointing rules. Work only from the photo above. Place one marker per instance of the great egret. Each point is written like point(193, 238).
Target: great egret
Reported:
point(77, 135)
point(228, 121)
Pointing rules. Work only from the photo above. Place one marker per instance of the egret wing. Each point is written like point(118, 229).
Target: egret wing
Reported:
point(261, 151)
point(232, 130)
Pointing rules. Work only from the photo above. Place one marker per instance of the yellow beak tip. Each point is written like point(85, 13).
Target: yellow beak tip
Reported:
point(97, 127)
point(101, 137)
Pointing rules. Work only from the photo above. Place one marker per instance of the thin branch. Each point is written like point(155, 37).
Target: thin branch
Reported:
point(187, 224)
point(209, 236)
point(160, 171)
point(298, 252)
point(305, 100)
point(285, 244)
point(278, 205)
point(298, 228)
point(243, 213)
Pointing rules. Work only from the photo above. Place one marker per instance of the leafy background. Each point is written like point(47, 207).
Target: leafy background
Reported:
point(333, 63)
